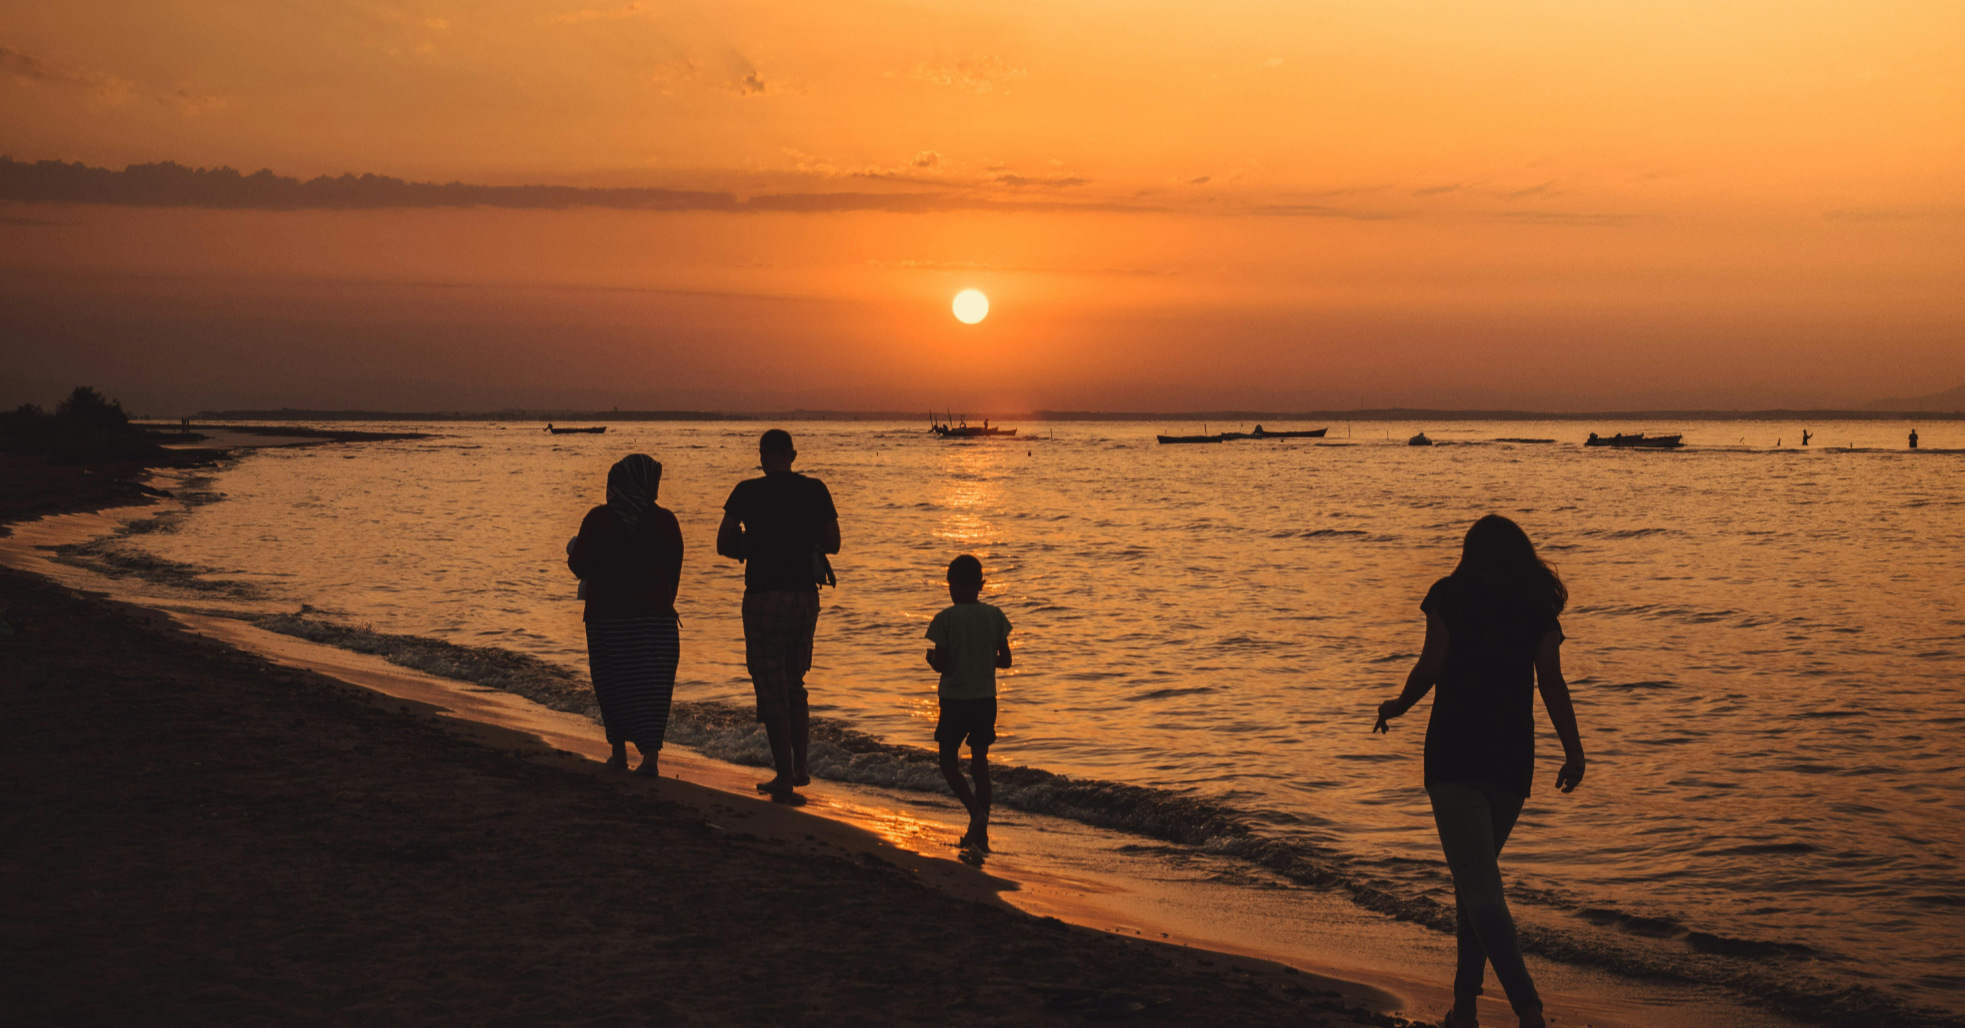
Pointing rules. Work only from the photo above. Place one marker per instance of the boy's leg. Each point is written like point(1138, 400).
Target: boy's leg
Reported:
point(979, 814)
point(952, 771)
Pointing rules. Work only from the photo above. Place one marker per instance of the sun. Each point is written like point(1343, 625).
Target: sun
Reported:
point(971, 306)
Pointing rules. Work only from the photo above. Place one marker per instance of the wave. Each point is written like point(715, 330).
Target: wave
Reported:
point(1767, 971)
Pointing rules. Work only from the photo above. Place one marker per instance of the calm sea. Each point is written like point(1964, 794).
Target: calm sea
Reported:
point(1765, 646)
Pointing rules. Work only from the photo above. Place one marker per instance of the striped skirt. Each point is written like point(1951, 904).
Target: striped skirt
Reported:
point(633, 662)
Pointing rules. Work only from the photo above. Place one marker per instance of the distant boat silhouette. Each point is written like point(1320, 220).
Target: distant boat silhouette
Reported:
point(946, 430)
point(1419, 440)
point(577, 431)
point(1258, 433)
point(1636, 439)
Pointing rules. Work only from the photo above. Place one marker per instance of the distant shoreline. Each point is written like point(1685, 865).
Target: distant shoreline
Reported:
point(570, 417)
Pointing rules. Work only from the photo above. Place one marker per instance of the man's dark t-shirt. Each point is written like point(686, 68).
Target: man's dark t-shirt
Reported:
point(1483, 724)
point(784, 515)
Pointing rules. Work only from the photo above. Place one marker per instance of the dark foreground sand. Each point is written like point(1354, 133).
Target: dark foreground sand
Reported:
point(193, 835)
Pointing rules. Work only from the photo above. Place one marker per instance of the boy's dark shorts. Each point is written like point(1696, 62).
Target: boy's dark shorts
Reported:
point(971, 720)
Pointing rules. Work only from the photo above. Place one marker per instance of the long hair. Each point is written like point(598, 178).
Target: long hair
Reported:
point(1497, 553)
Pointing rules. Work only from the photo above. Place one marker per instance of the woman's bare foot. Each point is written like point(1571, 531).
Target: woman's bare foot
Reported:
point(1455, 1019)
point(1534, 1020)
point(648, 768)
point(617, 762)
point(775, 787)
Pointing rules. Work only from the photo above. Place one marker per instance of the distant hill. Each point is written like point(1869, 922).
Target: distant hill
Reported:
point(1949, 400)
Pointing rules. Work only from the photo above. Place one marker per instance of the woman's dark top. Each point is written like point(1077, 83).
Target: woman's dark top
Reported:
point(628, 574)
point(1483, 724)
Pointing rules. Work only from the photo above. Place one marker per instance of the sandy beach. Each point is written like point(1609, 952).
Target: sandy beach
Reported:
point(198, 834)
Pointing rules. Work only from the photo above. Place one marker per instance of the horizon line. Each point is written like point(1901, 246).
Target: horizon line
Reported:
point(810, 414)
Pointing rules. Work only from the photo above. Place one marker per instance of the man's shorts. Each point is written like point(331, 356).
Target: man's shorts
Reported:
point(971, 720)
point(778, 627)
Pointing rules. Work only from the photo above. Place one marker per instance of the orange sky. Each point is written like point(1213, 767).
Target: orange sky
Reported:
point(1296, 204)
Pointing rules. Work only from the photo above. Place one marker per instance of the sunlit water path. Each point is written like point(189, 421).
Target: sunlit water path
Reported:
point(1765, 644)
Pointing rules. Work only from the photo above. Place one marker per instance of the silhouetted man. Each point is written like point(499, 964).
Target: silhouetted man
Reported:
point(1913, 439)
point(778, 525)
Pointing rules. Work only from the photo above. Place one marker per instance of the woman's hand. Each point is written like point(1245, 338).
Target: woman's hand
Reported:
point(1571, 774)
point(1386, 712)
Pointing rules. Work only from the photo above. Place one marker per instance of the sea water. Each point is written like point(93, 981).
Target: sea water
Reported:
point(1765, 645)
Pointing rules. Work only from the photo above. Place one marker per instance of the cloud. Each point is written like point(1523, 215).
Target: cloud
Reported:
point(1050, 181)
point(102, 86)
point(633, 10)
point(1436, 190)
point(750, 85)
point(979, 74)
point(924, 166)
point(1876, 214)
point(1200, 180)
point(1311, 210)
point(1545, 189)
point(174, 185)
point(969, 266)
point(26, 67)
point(1564, 218)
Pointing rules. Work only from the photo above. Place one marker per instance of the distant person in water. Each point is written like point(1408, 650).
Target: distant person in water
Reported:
point(780, 526)
point(1492, 637)
point(1805, 436)
point(1913, 439)
point(972, 640)
point(628, 556)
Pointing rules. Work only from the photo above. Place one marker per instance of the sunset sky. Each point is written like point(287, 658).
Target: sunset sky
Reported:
point(1554, 205)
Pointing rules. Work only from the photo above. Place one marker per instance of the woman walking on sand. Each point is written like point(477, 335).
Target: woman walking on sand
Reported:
point(628, 556)
point(1492, 637)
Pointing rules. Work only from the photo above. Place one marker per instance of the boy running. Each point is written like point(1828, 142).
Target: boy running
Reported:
point(972, 640)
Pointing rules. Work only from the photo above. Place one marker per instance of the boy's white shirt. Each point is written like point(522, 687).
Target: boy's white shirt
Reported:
point(968, 634)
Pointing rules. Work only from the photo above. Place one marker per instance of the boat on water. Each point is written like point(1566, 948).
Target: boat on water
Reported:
point(596, 430)
point(1258, 433)
point(1636, 439)
point(968, 431)
point(1419, 440)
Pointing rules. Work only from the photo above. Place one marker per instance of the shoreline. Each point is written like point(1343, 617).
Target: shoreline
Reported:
point(1120, 905)
point(230, 790)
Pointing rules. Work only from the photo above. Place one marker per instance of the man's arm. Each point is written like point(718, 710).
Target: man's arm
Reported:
point(1003, 653)
point(829, 536)
point(730, 538)
point(1562, 713)
point(936, 659)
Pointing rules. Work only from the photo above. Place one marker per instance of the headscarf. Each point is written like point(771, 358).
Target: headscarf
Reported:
point(631, 485)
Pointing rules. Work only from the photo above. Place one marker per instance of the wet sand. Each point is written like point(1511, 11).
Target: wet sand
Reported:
point(196, 833)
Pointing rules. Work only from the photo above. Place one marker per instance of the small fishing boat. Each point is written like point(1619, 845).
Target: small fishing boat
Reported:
point(596, 430)
point(1636, 439)
point(967, 431)
point(1419, 440)
point(1258, 433)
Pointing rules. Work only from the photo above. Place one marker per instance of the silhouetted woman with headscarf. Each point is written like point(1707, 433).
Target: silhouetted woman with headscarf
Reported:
point(629, 558)
point(1492, 638)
